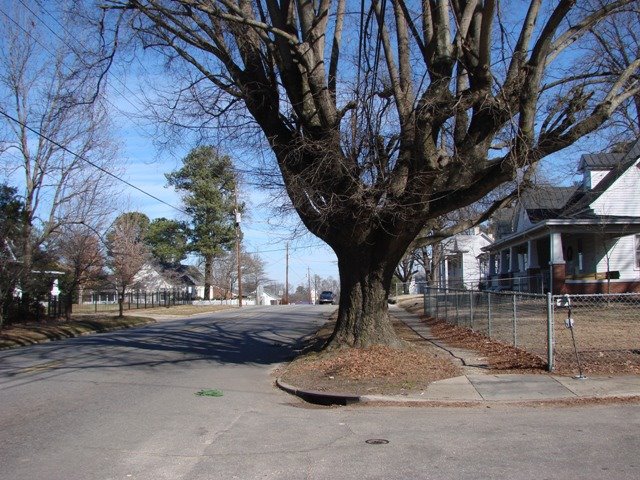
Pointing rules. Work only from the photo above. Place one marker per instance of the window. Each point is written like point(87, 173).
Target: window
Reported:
point(638, 251)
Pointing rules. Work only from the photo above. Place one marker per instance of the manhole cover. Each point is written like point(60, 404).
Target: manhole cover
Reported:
point(377, 441)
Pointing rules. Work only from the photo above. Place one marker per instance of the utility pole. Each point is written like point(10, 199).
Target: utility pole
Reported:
point(309, 283)
point(238, 220)
point(286, 277)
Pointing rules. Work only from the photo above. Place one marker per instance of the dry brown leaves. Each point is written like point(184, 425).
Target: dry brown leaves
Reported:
point(376, 369)
point(500, 357)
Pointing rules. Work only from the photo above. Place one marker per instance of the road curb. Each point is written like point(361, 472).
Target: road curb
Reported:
point(318, 397)
point(333, 398)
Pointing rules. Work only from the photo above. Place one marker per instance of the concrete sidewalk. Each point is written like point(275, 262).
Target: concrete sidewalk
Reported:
point(478, 387)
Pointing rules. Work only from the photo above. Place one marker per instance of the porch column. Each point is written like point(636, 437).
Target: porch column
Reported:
point(513, 260)
point(533, 268)
point(557, 263)
point(504, 265)
point(445, 273)
point(504, 269)
point(492, 264)
point(532, 252)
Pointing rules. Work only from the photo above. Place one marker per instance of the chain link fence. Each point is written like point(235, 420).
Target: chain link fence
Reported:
point(606, 329)
point(604, 336)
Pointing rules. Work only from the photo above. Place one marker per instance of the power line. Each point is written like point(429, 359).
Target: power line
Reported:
point(64, 41)
point(80, 157)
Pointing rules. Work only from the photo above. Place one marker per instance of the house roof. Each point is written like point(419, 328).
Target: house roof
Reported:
point(188, 273)
point(578, 205)
point(599, 161)
point(570, 207)
point(546, 201)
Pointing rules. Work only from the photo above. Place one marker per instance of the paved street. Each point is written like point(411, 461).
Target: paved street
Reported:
point(123, 406)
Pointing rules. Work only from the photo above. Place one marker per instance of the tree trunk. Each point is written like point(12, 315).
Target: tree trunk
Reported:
point(208, 271)
point(121, 301)
point(363, 316)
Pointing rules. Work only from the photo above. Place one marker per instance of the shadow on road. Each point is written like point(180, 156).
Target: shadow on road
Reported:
point(264, 339)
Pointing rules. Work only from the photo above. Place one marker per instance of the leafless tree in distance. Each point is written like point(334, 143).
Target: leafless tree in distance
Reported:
point(80, 255)
point(53, 123)
point(127, 252)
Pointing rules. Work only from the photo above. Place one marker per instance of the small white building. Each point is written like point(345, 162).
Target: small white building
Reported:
point(463, 262)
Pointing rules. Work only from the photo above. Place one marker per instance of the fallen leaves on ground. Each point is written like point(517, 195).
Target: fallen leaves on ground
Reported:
point(500, 358)
point(374, 370)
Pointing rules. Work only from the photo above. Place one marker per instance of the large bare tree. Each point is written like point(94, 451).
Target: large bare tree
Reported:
point(54, 126)
point(616, 46)
point(384, 116)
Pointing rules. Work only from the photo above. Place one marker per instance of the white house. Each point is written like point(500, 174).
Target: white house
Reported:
point(462, 261)
point(580, 239)
point(155, 277)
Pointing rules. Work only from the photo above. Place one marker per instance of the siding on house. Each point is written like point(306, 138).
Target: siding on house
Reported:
point(623, 198)
point(524, 222)
point(621, 258)
point(148, 278)
point(593, 177)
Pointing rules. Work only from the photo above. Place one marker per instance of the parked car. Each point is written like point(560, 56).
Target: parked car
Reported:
point(326, 297)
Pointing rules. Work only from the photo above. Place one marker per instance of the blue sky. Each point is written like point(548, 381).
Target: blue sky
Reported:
point(264, 235)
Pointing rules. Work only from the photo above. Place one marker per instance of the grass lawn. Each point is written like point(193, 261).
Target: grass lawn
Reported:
point(30, 333)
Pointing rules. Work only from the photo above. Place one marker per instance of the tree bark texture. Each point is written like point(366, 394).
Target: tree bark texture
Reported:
point(208, 275)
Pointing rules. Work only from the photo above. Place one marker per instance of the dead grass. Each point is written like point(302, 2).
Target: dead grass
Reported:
point(178, 310)
point(500, 358)
point(32, 333)
point(607, 337)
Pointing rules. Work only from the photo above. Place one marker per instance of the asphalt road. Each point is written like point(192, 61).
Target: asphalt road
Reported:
point(123, 406)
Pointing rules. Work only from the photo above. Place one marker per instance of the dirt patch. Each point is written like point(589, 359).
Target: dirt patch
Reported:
point(607, 341)
point(374, 370)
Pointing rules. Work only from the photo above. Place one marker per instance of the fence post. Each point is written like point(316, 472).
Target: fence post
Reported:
point(489, 313)
point(471, 309)
point(515, 321)
point(550, 322)
point(457, 305)
point(446, 305)
point(424, 301)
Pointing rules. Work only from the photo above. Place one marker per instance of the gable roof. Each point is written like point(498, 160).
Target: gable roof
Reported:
point(188, 274)
point(548, 202)
point(599, 161)
point(578, 205)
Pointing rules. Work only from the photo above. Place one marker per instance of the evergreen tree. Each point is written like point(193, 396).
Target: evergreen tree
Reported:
point(168, 240)
point(207, 183)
